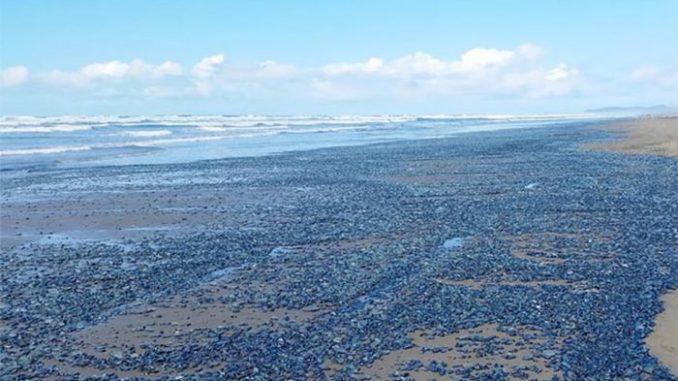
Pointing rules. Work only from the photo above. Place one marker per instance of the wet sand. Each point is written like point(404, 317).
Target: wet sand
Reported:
point(653, 136)
point(663, 342)
point(470, 350)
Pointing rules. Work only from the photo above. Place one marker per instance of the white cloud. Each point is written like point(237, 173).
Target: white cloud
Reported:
point(169, 68)
point(208, 77)
point(13, 76)
point(204, 81)
point(149, 80)
point(486, 72)
point(372, 65)
point(207, 66)
point(111, 70)
point(481, 58)
point(135, 69)
point(537, 83)
point(561, 73)
point(420, 63)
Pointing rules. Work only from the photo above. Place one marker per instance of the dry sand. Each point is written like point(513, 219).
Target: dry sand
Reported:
point(663, 342)
point(654, 136)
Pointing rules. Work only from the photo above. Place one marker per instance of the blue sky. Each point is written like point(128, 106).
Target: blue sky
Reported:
point(335, 57)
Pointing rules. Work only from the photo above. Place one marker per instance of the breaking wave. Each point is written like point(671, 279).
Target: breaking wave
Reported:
point(100, 134)
point(147, 134)
point(8, 129)
point(43, 151)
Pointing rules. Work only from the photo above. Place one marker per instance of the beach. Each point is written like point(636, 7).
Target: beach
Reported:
point(648, 136)
point(654, 136)
point(663, 342)
point(519, 253)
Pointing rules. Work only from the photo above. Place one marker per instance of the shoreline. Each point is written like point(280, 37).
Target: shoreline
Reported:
point(319, 252)
point(172, 155)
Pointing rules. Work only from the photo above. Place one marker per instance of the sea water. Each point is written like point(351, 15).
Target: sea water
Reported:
point(124, 140)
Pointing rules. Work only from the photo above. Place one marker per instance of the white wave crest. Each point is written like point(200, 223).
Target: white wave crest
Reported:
point(43, 151)
point(44, 129)
point(148, 134)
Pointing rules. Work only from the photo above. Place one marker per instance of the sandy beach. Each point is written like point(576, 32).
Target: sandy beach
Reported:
point(509, 254)
point(663, 342)
point(338, 190)
point(645, 136)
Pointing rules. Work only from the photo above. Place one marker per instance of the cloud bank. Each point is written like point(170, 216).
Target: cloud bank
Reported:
point(522, 72)
point(104, 73)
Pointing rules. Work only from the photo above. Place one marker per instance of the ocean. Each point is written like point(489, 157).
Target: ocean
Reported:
point(68, 141)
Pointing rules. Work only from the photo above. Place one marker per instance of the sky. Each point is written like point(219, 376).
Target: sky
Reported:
point(130, 57)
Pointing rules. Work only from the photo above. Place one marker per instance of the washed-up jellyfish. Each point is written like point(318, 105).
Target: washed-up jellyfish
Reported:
point(453, 243)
